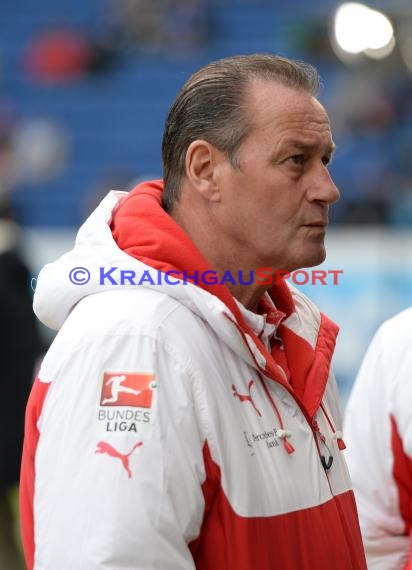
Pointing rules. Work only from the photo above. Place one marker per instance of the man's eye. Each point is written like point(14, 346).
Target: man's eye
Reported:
point(298, 159)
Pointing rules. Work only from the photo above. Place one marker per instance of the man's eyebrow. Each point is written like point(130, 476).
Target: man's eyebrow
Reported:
point(300, 145)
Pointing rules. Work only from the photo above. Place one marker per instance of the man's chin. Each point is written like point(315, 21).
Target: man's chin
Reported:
point(314, 258)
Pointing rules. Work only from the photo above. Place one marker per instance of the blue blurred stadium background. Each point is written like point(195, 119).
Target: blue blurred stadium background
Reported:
point(74, 124)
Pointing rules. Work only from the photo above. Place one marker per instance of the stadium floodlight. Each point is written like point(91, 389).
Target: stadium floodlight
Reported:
point(381, 52)
point(359, 29)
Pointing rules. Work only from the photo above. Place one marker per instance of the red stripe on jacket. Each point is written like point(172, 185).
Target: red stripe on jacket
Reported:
point(31, 438)
point(304, 539)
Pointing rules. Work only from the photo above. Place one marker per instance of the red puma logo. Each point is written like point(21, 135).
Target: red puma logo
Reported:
point(246, 397)
point(103, 447)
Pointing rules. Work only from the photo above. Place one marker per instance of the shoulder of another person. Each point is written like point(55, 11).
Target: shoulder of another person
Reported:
point(398, 329)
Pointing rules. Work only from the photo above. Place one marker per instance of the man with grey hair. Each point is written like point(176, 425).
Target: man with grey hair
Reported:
point(228, 434)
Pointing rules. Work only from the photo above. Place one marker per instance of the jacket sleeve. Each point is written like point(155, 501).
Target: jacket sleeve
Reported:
point(119, 463)
point(378, 434)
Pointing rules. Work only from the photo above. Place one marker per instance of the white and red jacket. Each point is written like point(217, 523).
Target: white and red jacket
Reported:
point(162, 434)
point(378, 430)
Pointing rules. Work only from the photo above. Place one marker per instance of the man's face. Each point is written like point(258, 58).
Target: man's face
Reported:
point(275, 204)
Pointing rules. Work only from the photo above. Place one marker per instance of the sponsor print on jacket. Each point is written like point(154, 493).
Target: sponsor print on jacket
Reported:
point(126, 402)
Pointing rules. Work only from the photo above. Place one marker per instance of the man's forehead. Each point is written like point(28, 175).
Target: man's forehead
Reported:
point(270, 100)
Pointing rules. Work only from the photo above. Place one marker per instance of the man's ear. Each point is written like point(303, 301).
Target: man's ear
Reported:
point(201, 163)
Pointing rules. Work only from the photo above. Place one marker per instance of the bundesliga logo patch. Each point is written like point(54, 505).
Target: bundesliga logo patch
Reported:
point(126, 402)
point(126, 389)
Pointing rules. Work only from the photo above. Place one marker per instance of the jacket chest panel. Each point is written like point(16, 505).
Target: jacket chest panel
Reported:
point(259, 477)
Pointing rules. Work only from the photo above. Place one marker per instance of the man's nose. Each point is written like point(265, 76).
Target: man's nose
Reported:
point(323, 188)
